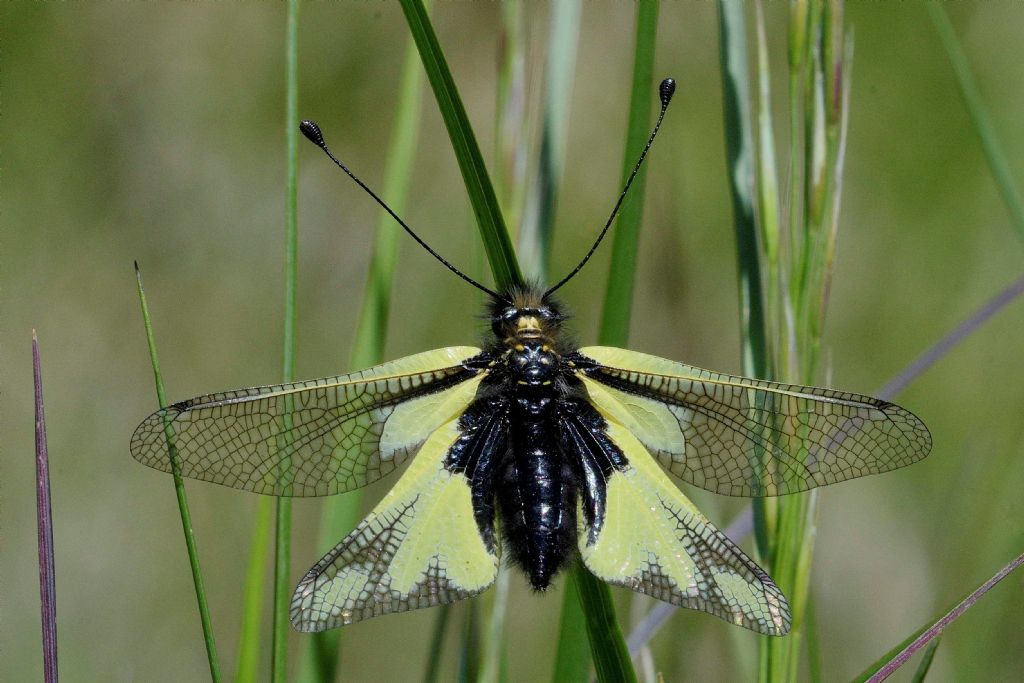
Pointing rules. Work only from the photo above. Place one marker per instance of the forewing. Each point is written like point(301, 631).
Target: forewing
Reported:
point(313, 438)
point(419, 547)
point(744, 437)
point(653, 540)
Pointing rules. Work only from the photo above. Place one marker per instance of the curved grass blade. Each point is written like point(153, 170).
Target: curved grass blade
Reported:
point(179, 489)
point(44, 525)
point(319, 660)
point(898, 656)
point(979, 116)
point(497, 243)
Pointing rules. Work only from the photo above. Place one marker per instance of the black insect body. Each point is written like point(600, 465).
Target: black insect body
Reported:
point(537, 449)
point(529, 440)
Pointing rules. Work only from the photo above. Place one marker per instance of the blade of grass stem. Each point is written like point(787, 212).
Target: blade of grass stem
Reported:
point(572, 658)
point(469, 652)
point(252, 593)
point(942, 347)
point(179, 489)
point(898, 656)
point(44, 527)
point(433, 670)
point(283, 516)
point(497, 243)
point(615, 318)
point(607, 646)
point(319, 658)
point(539, 220)
point(979, 116)
point(739, 143)
point(926, 660)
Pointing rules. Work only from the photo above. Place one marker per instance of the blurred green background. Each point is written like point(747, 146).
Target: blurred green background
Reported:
point(153, 131)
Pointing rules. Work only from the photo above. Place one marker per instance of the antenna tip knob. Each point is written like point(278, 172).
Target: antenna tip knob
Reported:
point(312, 132)
point(666, 90)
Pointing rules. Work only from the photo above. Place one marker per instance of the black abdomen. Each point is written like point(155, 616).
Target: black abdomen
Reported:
point(536, 493)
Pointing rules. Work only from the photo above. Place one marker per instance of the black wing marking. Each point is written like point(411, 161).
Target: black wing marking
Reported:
point(745, 437)
point(313, 438)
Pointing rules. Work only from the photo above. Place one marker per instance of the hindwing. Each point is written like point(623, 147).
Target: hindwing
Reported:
point(313, 438)
point(653, 540)
point(420, 546)
point(745, 437)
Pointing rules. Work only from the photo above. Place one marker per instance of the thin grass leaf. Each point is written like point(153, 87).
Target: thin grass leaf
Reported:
point(249, 649)
point(572, 658)
point(979, 116)
point(44, 527)
point(898, 656)
point(433, 671)
point(283, 512)
point(618, 301)
point(497, 243)
point(319, 658)
point(926, 660)
point(179, 489)
point(607, 645)
point(537, 231)
point(942, 347)
point(739, 142)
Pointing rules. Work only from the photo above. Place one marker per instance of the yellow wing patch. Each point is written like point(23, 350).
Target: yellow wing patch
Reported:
point(654, 540)
point(419, 547)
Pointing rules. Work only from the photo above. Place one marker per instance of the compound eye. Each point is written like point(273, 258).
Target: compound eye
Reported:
point(545, 313)
point(510, 314)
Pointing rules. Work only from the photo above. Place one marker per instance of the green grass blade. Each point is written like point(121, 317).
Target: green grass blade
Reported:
point(614, 330)
point(979, 116)
point(607, 645)
point(252, 594)
point(572, 659)
point(433, 670)
point(319, 658)
point(898, 656)
point(497, 243)
point(179, 489)
point(537, 230)
point(283, 516)
point(739, 142)
point(926, 660)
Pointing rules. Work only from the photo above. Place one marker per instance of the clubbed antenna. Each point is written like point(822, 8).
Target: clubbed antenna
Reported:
point(313, 133)
point(665, 92)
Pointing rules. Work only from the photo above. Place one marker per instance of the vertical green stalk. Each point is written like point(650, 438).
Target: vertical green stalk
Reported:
point(319, 658)
point(607, 646)
point(798, 262)
point(282, 537)
point(179, 489)
point(496, 240)
point(537, 228)
point(618, 304)
point(252, 593)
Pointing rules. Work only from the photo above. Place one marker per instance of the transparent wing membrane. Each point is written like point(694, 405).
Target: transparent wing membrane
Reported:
point(312, 438)
point(744, 437)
